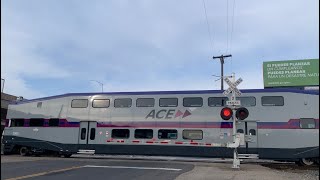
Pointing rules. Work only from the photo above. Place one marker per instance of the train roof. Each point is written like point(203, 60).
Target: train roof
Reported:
point(312, 92)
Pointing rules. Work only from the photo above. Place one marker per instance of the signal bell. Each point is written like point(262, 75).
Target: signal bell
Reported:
point(242, 113)
point(226, 113)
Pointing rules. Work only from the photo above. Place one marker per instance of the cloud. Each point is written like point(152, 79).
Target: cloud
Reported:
point(50, 47)
point(20, 60)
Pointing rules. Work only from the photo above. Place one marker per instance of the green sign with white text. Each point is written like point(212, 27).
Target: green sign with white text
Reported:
point(291, 73)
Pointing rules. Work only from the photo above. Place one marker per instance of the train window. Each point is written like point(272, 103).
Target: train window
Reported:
point(120, 133)
point(101, 103)
point(240, 131)
point(192, 102)
point(145, 102)
point(307, 123)
point(143, 133)
point(39, 104)
point(36, 122)
point(123, 103)
point(168, 102)
point(17, 123)
point(92, 133)
point(192, 134)
point(167, 134)
point(79, 103)
point(83, 133)
point(252, 132)
point(54, 122)
point(217, 101)
point(247, 101)
point(272, 101)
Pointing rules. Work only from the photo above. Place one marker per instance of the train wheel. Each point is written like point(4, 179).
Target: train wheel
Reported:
point(305, 162)
point(24, 151)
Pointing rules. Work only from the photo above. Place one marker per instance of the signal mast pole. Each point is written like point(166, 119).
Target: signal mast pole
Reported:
point(236, 161)
point(233, 103)
point(221, 62)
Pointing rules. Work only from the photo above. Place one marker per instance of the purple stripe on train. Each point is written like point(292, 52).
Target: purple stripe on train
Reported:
point(291, 124)
point(66, 123)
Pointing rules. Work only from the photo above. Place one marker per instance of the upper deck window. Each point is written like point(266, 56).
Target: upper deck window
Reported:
point(272, 101)
point(79, 103)
point(123, 103)
point(192, 102)
point(217, 101)
point(101, 103)
point(168, 102)
point(145, 102)
point(247, 101)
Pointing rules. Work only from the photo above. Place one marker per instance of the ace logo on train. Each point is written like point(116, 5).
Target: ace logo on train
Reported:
point(167, 114)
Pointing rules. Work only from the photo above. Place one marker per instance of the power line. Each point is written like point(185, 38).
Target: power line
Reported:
point(227, 26)
point(232, 22)
point(209, 31)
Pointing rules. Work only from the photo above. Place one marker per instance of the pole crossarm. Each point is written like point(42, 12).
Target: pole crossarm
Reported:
point(222, 56)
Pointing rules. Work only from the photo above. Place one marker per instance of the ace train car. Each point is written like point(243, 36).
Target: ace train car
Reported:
point(283, 124)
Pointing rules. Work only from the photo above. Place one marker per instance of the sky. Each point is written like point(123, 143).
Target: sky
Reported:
point(55, 47)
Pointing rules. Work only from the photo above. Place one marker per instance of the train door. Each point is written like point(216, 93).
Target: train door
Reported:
point(87, 132)
point(251, 136)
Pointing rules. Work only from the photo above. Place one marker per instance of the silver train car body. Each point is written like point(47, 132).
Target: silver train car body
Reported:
point(283, 124)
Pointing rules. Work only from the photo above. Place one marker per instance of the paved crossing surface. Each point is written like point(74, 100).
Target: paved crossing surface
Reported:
point(80, 167)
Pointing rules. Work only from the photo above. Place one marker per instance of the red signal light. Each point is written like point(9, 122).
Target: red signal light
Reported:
point(226, 113)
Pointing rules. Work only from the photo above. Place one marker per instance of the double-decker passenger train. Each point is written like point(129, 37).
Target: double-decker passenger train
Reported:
point(283, 124)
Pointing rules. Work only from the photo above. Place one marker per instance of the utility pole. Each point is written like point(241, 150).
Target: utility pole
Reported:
point(222, 62)
point(2, 84)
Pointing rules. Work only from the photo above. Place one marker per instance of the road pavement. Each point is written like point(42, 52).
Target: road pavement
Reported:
point(85, 167)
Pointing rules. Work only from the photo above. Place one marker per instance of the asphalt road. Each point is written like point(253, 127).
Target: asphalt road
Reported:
point(14, 167)
point(78, 169)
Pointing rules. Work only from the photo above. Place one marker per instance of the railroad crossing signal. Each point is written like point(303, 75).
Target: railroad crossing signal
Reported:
point(242, 113)
point(233, 87)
